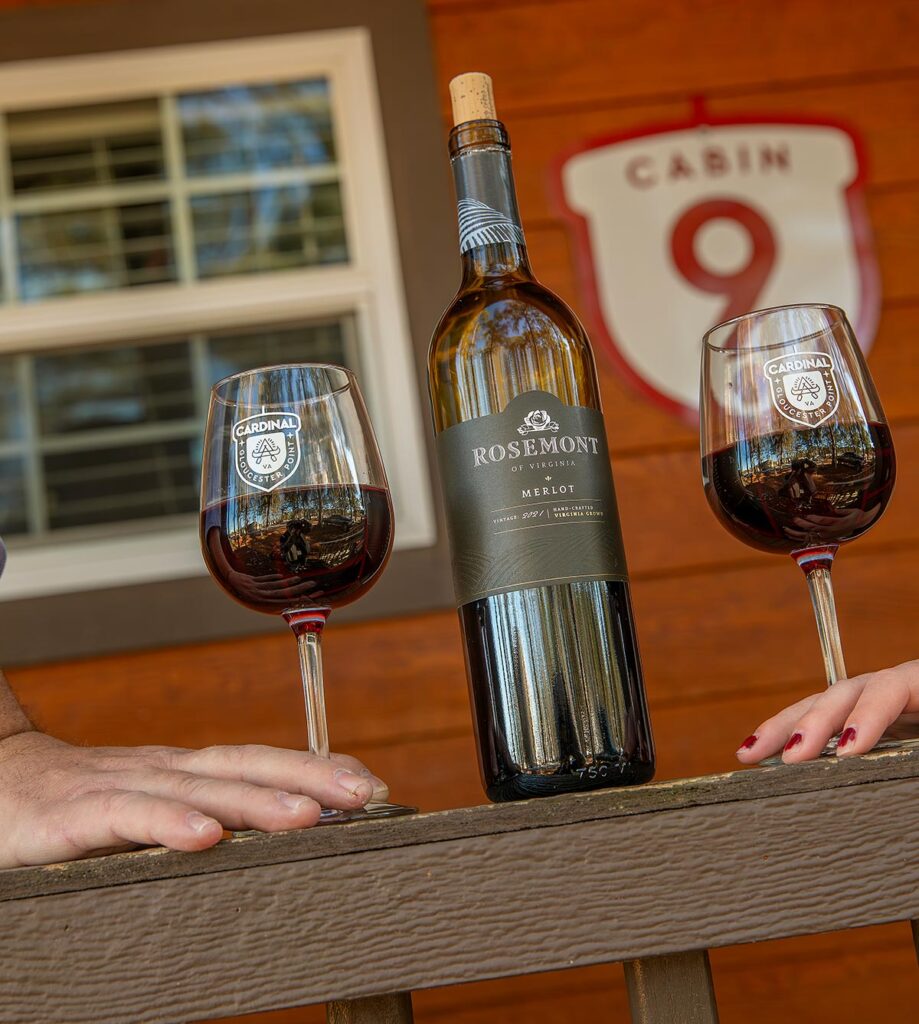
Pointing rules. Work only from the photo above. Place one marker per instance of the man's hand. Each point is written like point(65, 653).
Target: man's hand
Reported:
point(859, 710)
point(60, 802)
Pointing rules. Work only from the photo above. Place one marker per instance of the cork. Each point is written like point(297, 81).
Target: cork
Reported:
point(472, 97)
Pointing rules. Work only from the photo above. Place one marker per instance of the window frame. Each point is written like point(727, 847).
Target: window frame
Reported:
point(369, 286)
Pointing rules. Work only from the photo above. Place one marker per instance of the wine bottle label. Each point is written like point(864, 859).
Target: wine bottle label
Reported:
point(486, 203)
point(529, 498)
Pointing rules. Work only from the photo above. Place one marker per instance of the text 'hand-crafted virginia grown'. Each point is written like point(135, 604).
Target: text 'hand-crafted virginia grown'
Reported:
point(539, 569)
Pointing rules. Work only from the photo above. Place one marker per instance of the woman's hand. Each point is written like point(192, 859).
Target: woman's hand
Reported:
point(60, 802)
point(861, 710)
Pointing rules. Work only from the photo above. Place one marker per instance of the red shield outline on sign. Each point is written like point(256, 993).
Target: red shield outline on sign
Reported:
point(866, 318)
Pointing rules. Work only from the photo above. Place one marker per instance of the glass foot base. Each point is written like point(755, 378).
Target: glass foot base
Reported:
point(370, 812)
point(331, 816)
point(884, 743)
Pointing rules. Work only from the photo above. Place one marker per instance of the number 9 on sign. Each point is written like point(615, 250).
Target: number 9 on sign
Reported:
point(741, 288)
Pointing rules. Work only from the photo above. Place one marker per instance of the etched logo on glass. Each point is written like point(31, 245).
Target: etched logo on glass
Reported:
point(803, 387)
point(267, 448)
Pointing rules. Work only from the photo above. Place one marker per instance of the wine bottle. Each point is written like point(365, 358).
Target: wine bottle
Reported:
point(538, 565)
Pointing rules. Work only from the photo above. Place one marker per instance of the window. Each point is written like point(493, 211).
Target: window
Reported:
point(169, 217)
point(181, 187)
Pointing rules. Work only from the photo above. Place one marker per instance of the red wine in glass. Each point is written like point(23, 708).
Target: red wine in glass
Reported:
point(321, 544)
point(804, 488)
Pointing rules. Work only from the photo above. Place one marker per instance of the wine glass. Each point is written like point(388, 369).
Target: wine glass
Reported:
point(296, 517)
point(797, 457)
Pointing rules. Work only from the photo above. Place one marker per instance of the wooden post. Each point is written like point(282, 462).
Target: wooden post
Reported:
point(391, 1009)
point(664, 989)
point(915, 925)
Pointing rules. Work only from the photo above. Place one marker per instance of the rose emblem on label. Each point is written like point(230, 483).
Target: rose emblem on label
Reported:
point(537, 421)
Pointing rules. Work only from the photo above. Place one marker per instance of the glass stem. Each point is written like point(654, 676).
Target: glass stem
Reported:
point(307, 627)
point(817, 564)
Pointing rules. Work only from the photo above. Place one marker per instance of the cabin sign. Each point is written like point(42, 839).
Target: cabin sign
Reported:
point(678, 228)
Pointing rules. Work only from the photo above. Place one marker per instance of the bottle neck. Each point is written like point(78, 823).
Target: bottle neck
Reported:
point(490, 234)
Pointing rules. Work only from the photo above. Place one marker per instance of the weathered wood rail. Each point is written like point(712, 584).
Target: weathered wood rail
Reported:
point(358, 916)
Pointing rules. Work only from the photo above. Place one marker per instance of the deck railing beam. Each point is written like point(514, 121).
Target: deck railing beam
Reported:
point(346, 913)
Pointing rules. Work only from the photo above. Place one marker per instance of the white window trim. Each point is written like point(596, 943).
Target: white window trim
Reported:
point(370, 285)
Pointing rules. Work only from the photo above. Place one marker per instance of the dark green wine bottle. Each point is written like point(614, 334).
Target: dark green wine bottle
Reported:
point(539, 569)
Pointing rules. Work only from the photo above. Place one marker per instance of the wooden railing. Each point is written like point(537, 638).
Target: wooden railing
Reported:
point(359, 915)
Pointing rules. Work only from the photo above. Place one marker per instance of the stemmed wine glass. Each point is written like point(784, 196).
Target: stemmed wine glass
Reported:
point(797, 457)
point(296, 516)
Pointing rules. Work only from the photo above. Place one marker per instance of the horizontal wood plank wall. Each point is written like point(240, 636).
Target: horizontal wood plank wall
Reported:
point(726, 633)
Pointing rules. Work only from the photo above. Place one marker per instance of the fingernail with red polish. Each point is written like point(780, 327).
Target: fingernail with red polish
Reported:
point(749, 742)
point(796, 738)
point(847, 737)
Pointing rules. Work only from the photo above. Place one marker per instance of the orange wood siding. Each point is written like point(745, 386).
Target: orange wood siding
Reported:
point(726, 633)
